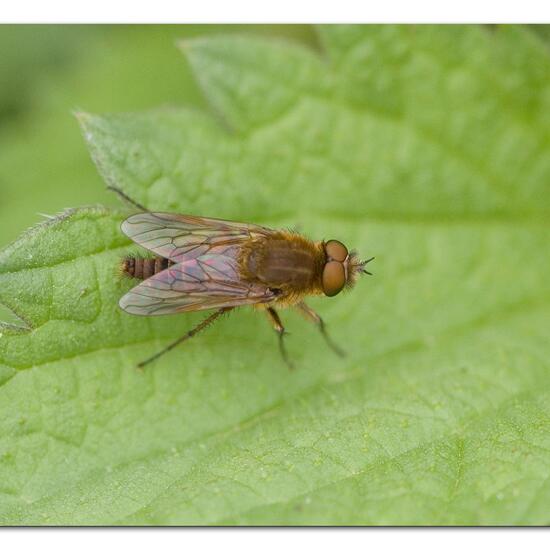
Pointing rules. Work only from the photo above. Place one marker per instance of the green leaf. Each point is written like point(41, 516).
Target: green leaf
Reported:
point(425, 146)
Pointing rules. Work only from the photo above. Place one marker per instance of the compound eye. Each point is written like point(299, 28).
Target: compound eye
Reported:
point(334, 278)
point(336, 251)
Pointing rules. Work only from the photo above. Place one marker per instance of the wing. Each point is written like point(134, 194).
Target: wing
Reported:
point(178, 237)
point(208, 281)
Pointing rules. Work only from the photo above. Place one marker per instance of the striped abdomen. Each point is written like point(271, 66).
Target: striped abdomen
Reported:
point(143, 268)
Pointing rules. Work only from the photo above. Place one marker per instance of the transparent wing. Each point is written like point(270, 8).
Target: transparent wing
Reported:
point(209, 281)
point(178, 237)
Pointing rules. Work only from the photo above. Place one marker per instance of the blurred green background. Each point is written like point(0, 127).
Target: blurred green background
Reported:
point(49, 71)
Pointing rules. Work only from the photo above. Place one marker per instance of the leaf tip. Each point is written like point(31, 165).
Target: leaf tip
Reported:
point(85, 121)
point(81, 116)
point(190, 46)
point(184, 44)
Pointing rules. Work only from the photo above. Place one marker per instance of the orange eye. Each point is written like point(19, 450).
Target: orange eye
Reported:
point(334, 278)
point(336, 251)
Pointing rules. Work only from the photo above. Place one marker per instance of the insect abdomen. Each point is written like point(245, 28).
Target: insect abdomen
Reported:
point(143, 268)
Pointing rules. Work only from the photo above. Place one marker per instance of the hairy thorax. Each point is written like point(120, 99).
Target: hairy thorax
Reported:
point(287, 262)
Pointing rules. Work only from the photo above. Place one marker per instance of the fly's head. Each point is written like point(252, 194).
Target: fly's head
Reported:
point(341, 269)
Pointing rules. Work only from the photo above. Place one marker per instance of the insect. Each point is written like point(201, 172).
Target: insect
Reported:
point(211, 264)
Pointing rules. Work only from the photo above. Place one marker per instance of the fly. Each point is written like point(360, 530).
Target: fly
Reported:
point(211, 264)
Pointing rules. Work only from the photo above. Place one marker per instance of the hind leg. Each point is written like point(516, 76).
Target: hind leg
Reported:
point(189, 334)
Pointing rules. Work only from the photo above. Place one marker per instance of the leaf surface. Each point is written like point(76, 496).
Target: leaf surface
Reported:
point(424, 146)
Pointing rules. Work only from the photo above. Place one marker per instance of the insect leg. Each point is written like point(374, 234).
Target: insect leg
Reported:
point(126, 198)
point(280, 329)
point(202, 325)
point(314, 317)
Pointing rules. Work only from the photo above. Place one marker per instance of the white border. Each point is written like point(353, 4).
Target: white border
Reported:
point(281, 11)
point(274, 539)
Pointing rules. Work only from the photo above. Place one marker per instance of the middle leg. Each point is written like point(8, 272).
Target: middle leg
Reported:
point(280, 329)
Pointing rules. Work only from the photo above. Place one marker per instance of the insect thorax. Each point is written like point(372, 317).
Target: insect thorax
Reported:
point(284, 261)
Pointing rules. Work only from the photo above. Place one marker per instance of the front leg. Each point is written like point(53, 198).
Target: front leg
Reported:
point(280, 329)
point(314, 317)
point(126, 197)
